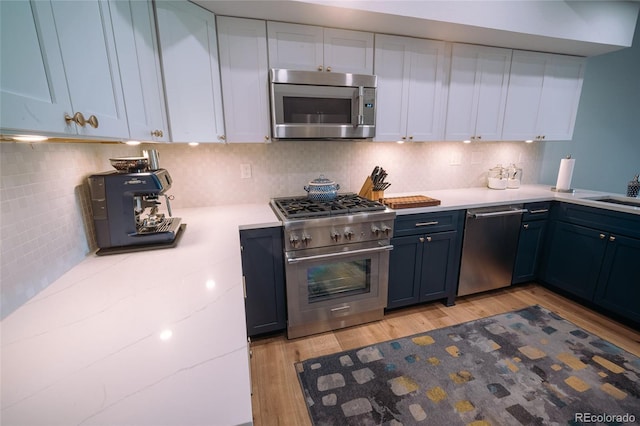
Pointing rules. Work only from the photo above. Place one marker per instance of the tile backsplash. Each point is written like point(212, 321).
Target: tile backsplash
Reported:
point(45, 222)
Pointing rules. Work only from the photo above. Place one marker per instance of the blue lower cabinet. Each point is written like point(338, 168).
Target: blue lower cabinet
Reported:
point(618, 286)
point(573, 258)
point(264, 282)
point(425, 266)
point(530, 244)
point(594, 254)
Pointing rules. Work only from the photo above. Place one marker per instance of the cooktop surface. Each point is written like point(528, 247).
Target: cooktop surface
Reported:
point(303, 207)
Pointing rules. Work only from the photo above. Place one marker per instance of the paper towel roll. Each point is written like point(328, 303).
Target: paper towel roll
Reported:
point(564, 174)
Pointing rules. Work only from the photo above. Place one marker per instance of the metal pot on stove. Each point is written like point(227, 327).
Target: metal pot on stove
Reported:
point(322, 189)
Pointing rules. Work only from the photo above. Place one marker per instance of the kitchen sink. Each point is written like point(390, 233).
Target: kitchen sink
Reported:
point(632, 202)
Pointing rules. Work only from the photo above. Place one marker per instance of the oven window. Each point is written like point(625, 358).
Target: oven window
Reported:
point(339, 279)
point(301, 110)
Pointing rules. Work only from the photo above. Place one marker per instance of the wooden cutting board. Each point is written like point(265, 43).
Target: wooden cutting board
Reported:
point(410, 202)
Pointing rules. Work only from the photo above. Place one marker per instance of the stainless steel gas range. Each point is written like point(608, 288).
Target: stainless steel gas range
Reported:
point(336, 261)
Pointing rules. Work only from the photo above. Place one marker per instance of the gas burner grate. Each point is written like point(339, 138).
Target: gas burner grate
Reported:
point(303, 207)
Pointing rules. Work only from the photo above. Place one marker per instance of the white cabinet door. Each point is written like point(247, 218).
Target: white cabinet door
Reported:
point(410, 96)
point(33, 87)
point(392, 67)
point(311, 48)
point(427, 97)
point(137, 46)
point(348, 51)
point(560, 97)
point(244, 74)
point(542, 101)
point(294, 46)
point(59, 58)
point(189, 57)
point(477, 92)
point(86, 38)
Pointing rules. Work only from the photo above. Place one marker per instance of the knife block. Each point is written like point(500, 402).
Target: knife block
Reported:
point(368, 192)
point(367, 188)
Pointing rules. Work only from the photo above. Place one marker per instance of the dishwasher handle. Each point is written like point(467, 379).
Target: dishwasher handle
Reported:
point(495, 214)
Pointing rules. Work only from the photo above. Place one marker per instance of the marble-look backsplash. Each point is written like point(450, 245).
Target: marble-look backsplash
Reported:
point(45, 220)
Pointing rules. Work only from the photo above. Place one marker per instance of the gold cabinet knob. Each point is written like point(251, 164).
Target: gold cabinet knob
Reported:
point(93, 121)
point(328, 69)
point(320, 67)
point(221, 137)
point(266, 138)
point(612, 238)
point(602, 236)
point(525, 226)
point(77, 118)
point(157, 133)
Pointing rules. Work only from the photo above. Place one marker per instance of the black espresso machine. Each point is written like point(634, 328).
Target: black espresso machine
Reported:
point(126, 208)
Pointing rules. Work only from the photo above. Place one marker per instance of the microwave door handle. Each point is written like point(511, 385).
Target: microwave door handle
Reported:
point(360, 116)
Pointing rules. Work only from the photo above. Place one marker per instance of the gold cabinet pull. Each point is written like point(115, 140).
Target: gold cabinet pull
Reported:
point(612, 238)
point(157, 133)
point(77, 118)
point(602, 236)
point(93, 121)
point(526, 226)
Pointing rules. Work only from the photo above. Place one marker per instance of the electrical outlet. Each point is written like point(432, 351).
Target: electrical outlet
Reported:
point(456, 159)
point(245, 171)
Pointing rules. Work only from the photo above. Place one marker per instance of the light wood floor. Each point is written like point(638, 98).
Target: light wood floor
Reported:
point(277, 399)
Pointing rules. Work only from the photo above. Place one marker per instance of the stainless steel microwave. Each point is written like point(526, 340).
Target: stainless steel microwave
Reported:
point(322, 105)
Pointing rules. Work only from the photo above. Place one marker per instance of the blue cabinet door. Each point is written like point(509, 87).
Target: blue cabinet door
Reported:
point(405, 262)
point(438, 277)
point(574, 258)
point(263, 272)
point(529, 251)
point(619, 283)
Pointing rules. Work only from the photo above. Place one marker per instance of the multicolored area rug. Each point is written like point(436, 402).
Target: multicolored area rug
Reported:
point(527, 367)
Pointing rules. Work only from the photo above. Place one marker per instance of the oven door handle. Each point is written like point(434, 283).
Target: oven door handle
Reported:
point(292, 260)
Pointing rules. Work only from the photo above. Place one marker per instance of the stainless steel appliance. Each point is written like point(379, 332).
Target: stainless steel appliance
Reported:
point(336, 261)
point(126, 211)
point(322, 105)
point(489, 248)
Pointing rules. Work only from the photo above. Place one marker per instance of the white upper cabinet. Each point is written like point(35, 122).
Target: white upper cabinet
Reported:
point(411, 88)
point(543, 96)
point(306, 47)
point(245, 78)
point(189, 57)
point(59, 60)
point(137, 48)
point(477, 92)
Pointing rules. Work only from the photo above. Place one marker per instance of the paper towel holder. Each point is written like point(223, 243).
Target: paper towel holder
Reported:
point(564, 191)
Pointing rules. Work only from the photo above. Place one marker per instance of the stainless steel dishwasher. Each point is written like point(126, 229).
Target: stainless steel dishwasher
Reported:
point(489, 248)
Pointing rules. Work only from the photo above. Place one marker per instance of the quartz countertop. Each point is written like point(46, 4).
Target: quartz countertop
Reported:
point(148, 338)
point(469, 198)
point(158, 337)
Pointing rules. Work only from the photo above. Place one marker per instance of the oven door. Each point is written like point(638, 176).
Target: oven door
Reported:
point(329, 289)
point(322, 112)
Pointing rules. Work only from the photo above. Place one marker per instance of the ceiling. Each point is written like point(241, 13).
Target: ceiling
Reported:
point(583, 28)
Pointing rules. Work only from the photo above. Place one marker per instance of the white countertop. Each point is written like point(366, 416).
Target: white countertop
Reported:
point(89, 350)
point(456, 199)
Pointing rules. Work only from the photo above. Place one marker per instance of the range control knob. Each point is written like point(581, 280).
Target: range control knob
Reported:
point(375, 230)
point(306, 239)
point(335, 236)
point(294, 240)
point(386, 229)
point(348, 234)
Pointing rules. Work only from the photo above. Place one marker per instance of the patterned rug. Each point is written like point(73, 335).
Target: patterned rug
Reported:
point(527, 367)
